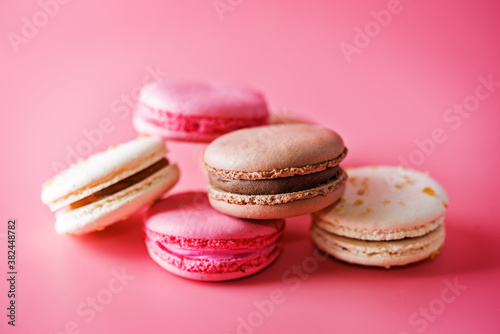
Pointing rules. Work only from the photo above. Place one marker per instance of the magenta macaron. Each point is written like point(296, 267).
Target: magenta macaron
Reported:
point(197, 111)
point(187, 237)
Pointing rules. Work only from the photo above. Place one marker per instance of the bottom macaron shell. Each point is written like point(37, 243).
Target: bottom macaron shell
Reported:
point(211, 270)
point(194, 128)
point(284, 210)
point(145, 127)
point(98, 215)
point(380, 253)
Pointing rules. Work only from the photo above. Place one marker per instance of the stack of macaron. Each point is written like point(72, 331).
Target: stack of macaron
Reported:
point(259, 174)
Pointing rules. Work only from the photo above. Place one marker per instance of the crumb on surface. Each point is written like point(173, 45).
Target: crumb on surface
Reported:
point(339, 208)
point(429, 191)
point(361, 192)
point(353, 180)
point(343, 200)
point(402, 203)
point(445, 205)
point(367, 211)
point(399, 185)
point(387, 201)
point(411, 181)
point(358, 202)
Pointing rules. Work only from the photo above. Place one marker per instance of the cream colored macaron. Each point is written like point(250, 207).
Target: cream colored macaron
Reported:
point(109, 186)
point(388, 216)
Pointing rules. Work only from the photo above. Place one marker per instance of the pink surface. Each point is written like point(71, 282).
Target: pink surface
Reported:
point(415, 91)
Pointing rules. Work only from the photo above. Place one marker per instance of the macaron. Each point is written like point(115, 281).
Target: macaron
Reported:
point(109, 186)
point(197, 111)
point(188, 238)
point(277, 171)
point(388, 216)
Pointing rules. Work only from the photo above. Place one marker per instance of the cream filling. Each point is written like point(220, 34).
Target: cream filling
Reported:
point(119, 186)
point(216, 254)
point(402, 247)
point(378, 234)
point(323, 190)
point(97, 215)
point(105, 182)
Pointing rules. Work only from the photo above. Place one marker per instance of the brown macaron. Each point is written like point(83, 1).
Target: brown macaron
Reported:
point(275, 171)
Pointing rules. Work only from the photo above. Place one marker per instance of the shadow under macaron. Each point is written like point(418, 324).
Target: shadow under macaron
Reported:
point(297, 248)
point(123, 239)
point(463, 252)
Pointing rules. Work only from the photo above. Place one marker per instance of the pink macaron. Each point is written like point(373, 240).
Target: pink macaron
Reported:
point(188, 238)
point(197, 111)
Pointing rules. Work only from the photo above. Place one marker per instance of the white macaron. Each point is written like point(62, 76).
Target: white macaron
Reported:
point(109, 186)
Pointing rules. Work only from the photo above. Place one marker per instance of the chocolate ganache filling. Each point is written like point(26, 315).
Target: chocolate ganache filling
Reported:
point(123, 184)
point(274, 186)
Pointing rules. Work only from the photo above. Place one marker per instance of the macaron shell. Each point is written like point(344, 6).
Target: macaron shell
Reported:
point(273, 147)
point(181, 215)
point(380, 253)
point(101, 170)
point(98, 215)
point(197, 111)
point(204, 99)
point(196, 134)
point(386, 198)
point(165, 262)
point(289, 209)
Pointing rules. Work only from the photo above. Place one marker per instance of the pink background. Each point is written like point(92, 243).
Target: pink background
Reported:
point(70, 75)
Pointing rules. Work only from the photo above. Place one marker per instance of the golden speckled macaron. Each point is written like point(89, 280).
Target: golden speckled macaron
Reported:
point(388, 216)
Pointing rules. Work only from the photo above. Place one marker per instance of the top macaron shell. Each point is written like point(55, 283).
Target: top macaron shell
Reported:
point(188, 215)
point(274, 147)
point(197, 111)
point(387, 198)
point(204, 99)
point(101, 170)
